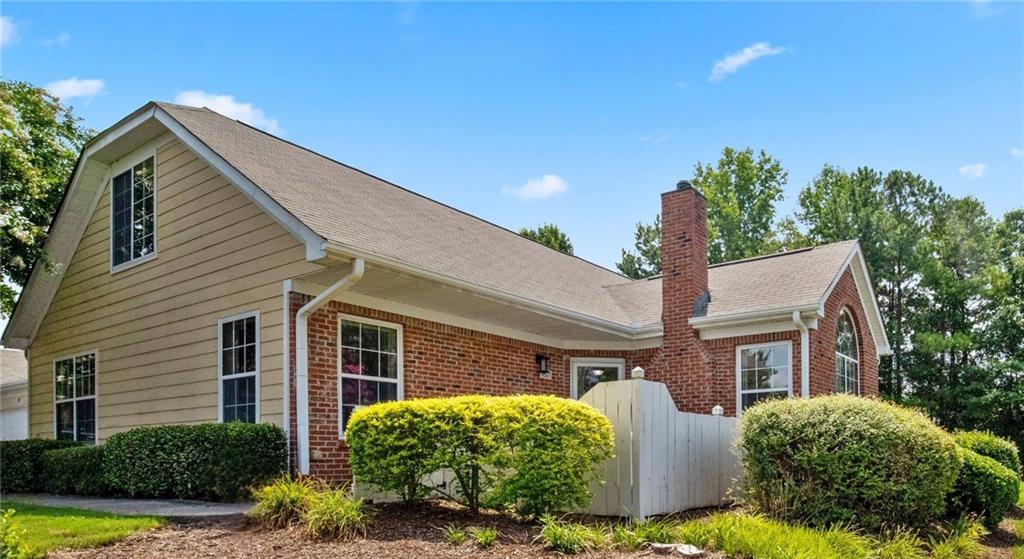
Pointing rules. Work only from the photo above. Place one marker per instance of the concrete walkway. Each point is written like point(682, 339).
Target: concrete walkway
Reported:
point(174, 510)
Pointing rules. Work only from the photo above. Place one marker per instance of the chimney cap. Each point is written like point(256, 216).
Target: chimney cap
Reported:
point(684, 185)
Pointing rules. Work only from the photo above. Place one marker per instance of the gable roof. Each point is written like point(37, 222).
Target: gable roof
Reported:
point(332, 206)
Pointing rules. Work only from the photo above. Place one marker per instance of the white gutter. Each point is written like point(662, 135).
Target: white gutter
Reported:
point(805, 355)
point(302, 358)
point(753, 316)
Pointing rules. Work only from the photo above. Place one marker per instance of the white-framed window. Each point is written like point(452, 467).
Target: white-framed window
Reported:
point(847, 356)
point(74, 397)
point(588, 372)
point(763, 371)
point(133, 214)
point(238, 361)
point(369, 364)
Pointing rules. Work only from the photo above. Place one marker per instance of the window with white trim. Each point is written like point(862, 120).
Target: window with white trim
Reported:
point(239, 363)
point(74, 385)
point(847, 356)
point(133, 208)
point(764, 372)
point(369, 364)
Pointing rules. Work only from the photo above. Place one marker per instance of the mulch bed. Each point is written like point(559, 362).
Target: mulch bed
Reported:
point(396, 531)
point(999, 543)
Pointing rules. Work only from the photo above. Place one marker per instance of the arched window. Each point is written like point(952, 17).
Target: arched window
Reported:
point(847, 356)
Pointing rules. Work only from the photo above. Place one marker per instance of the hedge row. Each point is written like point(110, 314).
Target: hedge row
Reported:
point(217, 462)
point(22, 470)
point(533, 453)
point(843, 459)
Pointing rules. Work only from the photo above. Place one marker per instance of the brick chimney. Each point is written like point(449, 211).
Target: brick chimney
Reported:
point(688, 365)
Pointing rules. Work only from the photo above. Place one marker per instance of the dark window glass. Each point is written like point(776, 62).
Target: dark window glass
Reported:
point(239, 363)
point(122, 218)
point(134, 213)
point(75, 395)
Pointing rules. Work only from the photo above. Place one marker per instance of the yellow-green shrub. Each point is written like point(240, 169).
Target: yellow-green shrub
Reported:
point(535, 453)
point(986, 444)
point(839, 459)
point(985, 487)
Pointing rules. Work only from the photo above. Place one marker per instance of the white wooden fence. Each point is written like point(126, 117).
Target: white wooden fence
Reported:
point(665, 460)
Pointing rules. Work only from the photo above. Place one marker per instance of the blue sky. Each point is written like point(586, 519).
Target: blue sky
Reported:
point(594, 108)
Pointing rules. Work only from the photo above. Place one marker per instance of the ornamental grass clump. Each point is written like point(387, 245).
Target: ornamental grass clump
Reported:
point(335, 515)
point(569, 537)
point(842, 459)
point(283, 502)
point(535, 454)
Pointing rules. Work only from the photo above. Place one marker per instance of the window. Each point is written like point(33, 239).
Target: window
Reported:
point(133, 222)
point(764, 371)
point(239, 363)
point(74, 384)
point(588, 372)
point(847, 356)
point(369, 365)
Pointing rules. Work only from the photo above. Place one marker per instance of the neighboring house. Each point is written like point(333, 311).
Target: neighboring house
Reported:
point(13, 395)
point(208, 271)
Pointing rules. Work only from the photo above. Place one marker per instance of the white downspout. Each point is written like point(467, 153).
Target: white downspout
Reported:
point(302, 358)
point(805, 355)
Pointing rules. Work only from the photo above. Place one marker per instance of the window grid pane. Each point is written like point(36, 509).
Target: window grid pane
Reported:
point(369, 366)
point(74, 394)
point(764, 373)
point(239, 365)
point(134, 213)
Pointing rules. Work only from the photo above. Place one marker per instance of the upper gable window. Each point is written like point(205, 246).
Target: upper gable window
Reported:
point(133, 222)
point(847, 356)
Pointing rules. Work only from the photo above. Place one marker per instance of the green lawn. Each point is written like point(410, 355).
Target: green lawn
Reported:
point(47, 528)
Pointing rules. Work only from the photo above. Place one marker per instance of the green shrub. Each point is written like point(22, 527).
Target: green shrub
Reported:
point(12, 538)
point(986, 444)
point(484, 537)
point(23, 463)
point(985, 487)
point(77, 470)
point(839, 459)
point(283, 502)
point(534, 453)
point(213, 461)
point(570, 538)
point(335, 515)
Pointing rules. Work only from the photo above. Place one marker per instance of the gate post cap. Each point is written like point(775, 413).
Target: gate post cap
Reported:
point(637, 372)
point(717, 410)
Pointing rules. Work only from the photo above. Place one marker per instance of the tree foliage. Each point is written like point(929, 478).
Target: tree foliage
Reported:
point(549, 235)
point(39, 143)
point(645, 261)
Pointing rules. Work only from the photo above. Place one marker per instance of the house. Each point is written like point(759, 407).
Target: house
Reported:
point(209, 271)
point(13, 395)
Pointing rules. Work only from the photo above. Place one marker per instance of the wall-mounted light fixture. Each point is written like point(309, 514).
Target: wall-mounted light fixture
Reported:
point(542, 366)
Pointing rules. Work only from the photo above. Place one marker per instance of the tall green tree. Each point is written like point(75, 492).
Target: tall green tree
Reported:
point(549, 235)
point(644, 260)
point(742, 190)
point(39, 142)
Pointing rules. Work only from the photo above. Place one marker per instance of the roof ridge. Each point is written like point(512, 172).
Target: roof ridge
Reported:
point(778, 254)
point(410, 191)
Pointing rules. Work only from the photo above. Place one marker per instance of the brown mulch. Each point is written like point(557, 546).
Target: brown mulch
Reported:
point(396, 531)
point(999, 543)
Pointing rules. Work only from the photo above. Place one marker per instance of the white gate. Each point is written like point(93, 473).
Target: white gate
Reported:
point(665, 460)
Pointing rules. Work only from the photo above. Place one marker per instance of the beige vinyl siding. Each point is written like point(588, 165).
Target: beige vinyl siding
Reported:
point(155, 324)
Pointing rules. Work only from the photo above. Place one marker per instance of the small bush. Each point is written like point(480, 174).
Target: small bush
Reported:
point(986, 444)
point(23, 463)
point(839, 459)
point(985, 487)
point(570, 538)
point(534, 453)
point(634, 536)
point(335, 515)
point(454, 534)
point(212, 461)
point(484, 537)
point(282, 503)
point(77, 470)
point(12, 538)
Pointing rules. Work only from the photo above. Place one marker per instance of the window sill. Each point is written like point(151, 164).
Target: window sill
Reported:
point(132, 263)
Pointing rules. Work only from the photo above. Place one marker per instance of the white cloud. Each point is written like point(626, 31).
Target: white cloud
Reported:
point(74, 87)
point(973, 171)
point(61, 40)
point(8, 31)
point(229, 107)
point(737, 60)
point(653, 139)
point(1016, 152)
point(544, 187)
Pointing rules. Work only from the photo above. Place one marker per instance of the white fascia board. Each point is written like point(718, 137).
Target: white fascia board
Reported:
point(314, 242)
point(370, 302)
point(517, 301)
